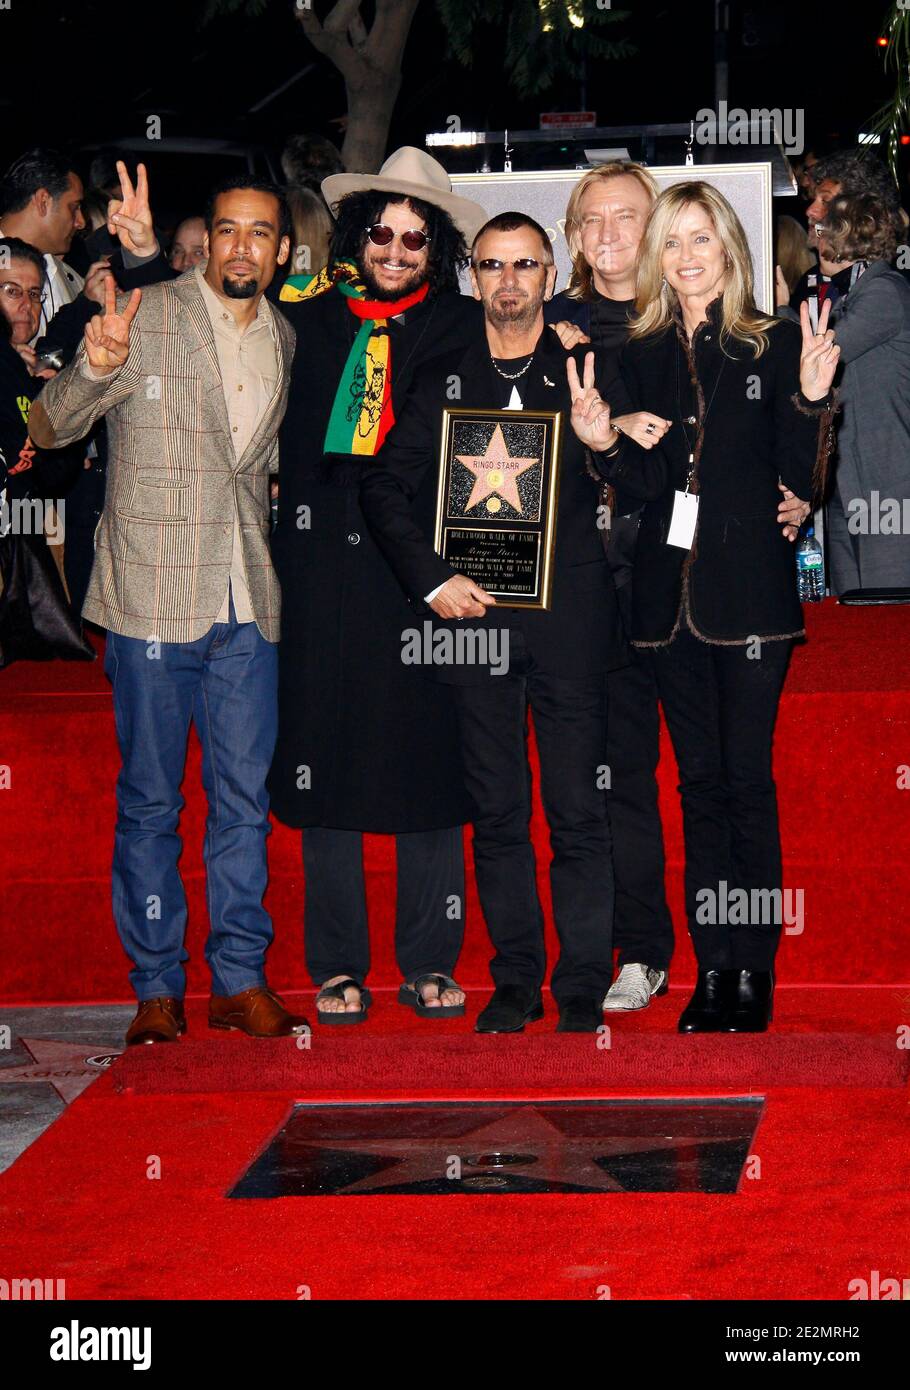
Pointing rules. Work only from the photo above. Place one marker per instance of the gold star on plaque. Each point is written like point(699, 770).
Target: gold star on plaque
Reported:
point(495, 472)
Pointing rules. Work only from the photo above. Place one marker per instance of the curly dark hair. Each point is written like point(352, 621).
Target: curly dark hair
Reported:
point(447, 250)
point(858, 172)
point(861, 228)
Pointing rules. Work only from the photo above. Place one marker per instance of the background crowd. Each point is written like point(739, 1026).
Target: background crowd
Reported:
point(848, 222)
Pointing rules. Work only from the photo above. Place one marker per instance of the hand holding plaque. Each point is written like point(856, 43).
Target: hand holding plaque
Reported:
point(590, 413)
point(461, 598)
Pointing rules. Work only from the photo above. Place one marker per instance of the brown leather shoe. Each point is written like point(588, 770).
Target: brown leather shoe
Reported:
point(157, 1021)
point(256, 1011)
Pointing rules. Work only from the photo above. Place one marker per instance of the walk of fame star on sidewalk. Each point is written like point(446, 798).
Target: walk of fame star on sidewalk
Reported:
point(438, 1148)
point(67, 1066)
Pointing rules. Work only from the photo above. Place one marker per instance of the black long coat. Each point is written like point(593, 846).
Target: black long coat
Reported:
point(581, 633)
point(740, 580)
point(365, 742)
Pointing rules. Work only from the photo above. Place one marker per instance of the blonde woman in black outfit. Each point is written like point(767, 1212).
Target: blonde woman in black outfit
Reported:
point(714, 598)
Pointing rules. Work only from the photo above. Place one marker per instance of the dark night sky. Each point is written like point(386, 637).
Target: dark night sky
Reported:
point(76, 73)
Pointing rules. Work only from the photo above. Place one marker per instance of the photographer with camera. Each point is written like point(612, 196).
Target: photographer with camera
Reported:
point(35, 617)
point(23, 288)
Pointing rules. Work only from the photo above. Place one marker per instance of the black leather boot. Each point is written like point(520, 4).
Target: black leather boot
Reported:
point(751, 1002)
point(509, 1009)
point(709, 1007)
point(579, 1014)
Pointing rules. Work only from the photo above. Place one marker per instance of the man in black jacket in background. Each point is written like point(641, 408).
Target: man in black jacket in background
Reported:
point(557, 659)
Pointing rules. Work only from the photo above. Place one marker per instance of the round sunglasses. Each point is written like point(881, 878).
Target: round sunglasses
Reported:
point(525, 265)
point(381, 235)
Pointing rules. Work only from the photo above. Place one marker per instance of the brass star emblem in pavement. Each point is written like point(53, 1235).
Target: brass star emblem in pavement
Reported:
point(523, 1145)
point(68, 1067)
point(495, 472)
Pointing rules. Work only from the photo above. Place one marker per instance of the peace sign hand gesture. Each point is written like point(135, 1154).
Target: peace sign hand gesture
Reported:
point(129, 217)
point(820, 354)
point(107, 335)
point(590, 412)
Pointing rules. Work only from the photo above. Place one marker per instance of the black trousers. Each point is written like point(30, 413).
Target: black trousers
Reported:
point(570, 722)
point(642, 925)
point(84, 503)
point(429, 915)
point(721, 707)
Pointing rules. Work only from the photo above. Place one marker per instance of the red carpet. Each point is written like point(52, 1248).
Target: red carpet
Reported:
point(830, 1206)
point(829, 1202)
point(535, 1063)
point(844, 733)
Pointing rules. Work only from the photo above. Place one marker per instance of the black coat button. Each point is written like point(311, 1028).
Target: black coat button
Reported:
point(353, 538)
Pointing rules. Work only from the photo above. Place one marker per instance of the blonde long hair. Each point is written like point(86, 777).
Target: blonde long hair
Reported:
point(581, 281)
point(656, 301)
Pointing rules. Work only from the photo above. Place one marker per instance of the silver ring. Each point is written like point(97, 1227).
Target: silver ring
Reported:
point(649, 429)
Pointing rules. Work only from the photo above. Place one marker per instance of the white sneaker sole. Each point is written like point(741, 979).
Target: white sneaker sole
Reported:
point(620, 1006)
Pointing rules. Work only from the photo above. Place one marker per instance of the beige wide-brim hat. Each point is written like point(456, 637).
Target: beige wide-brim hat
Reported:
point(417, 174)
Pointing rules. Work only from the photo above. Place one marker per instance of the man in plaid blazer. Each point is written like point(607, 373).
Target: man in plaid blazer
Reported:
point(192, 376)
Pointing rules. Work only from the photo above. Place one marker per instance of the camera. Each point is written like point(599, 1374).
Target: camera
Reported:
point(51, 357)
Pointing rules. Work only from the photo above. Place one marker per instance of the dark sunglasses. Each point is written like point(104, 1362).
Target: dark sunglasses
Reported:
point(525, 265)
point(381, 235)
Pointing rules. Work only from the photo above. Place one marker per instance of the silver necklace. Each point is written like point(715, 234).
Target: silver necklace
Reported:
point(512, 376)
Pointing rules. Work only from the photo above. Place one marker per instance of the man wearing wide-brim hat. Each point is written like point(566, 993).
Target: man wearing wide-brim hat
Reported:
point(366, 743)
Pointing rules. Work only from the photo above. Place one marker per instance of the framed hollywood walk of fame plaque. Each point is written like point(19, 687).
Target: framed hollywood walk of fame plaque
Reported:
point(496, 505)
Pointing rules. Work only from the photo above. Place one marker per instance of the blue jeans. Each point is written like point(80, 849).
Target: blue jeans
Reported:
point(225, 682)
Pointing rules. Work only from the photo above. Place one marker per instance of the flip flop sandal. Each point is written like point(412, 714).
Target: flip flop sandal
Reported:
point(413, 999)
point(340, 1017)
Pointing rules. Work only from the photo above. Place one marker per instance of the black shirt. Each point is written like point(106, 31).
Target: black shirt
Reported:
point(610, 319)
point(606, 321)
point(511, 366)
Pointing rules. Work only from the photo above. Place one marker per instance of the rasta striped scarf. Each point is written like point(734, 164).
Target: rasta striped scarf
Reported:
point(362, 413)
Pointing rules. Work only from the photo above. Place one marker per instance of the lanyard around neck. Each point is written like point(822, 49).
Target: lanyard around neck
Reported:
point(696, 448)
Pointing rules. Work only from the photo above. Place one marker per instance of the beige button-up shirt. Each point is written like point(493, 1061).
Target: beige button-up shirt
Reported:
point(248, 365)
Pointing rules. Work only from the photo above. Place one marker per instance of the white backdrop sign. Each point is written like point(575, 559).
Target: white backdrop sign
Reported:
point(544, 195)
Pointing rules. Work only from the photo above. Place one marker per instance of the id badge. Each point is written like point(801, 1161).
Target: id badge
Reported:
point(684, 520)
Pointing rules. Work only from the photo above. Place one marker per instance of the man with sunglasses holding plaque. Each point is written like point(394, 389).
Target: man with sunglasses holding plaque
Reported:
point(559, 651)
point(366, 742)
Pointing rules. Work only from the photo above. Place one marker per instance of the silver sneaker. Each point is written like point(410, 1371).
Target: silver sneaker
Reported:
point(634, 986)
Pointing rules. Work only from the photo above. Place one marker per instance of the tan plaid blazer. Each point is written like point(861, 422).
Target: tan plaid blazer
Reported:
point(163, 544)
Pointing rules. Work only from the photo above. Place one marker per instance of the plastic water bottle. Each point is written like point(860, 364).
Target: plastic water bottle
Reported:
point(810, 568)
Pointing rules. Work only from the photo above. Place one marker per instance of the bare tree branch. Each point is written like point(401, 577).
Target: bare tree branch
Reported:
point(392, 25)
point(357, 31)
point(341, 16)
point(370, 63)
point(331, 37)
